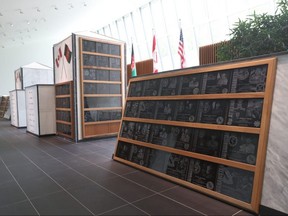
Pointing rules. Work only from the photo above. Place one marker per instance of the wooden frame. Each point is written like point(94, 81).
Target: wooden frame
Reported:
point(70, 109)
point(96, 127)
point(256, 169)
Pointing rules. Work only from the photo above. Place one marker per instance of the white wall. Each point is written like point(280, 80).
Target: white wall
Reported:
point(275, 188)
point(15, 57)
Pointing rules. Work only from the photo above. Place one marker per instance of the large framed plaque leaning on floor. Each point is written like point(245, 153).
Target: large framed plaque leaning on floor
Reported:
point(202, 127)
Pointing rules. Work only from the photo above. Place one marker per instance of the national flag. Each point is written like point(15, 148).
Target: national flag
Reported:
point(57, 62)
point(133, 65)
point(154, 55)
point(60, 52)
point(59, 56)
point(181, 50)
point(67, 53)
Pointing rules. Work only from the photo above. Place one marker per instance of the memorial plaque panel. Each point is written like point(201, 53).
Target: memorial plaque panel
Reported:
point(245, 112)
point(132, 109)
point(213, 111)
point(186, 110)
point(63, 128)
point(158, 160)
point(190, 84)
point(142, 132)
point(164, 135)
point(127, 130)
point(207, 142)
point(123, 150)
point(151, 87)
point(249, 79)
point(62, 102)
point(97, 102)
point(63, 89)
point(184, 138)
point(235, 183)
point(147, 109)
point(178, 166)
point(135, 89)
point(203, 173)
point(216, 82)
point(89, 46)
point(165, 110)
point(102, 115)
point(240, 147)
point(140, 155)
point(169, 86)
point(63, 116)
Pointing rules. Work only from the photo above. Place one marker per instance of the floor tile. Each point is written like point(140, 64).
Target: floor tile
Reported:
point(36, 187)
point(95, 173)
point(5, 176)
point(14, 158)
point(70, 179)
point(200, 201)
point(150, 181)
point(26, 171)
point(20, 208)
point(106, 152)
point(95, 158)
point(10, 193)
point(73, 161)
point(117, 167)
point(158, 205)
point(55, 152)
point(125, 210)
point(59, 203)
point(96, 198)
point(51, 165)
point(126, 189)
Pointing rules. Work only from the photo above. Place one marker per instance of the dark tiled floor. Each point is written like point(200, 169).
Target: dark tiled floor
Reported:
point(54, 176)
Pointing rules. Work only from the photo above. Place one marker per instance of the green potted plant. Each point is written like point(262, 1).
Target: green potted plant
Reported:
point(258, 34)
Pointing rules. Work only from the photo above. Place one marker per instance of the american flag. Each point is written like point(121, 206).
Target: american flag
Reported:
point(181, 50)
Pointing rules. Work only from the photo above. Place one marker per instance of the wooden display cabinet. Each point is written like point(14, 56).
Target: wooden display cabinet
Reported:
point(64, 110)
point(204, 127)
point(95, 64)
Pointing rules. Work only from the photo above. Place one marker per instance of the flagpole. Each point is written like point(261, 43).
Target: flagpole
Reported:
point(179, 23)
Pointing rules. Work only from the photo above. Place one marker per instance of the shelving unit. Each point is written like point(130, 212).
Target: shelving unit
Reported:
point(4, 105)
point(101, 87)
point(203, 127)
point(96, 66)
point(64, 110)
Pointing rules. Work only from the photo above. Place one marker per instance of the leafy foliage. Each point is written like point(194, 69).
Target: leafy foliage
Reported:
point(257, 35)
